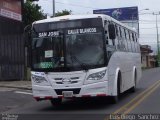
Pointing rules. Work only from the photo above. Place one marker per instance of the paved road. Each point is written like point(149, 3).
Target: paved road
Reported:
point(145, 100)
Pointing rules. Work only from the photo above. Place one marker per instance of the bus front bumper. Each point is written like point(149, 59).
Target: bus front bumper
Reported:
point(89, 90)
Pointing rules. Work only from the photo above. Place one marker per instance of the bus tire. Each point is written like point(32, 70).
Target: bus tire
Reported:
point(133, 89)
point(115, 99)
point(56, 101)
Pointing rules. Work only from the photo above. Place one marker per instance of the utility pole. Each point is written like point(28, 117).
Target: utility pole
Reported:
point(158, 49)
point(53, 8)
point(138, 17)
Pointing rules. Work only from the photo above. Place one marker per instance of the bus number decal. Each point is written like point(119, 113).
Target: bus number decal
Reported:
point(44, 34)
point(48, 34)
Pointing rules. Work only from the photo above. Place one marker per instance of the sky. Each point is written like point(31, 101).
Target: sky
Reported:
point(147, 20)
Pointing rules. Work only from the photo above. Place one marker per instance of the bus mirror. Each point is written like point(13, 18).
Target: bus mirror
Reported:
point(112, 31)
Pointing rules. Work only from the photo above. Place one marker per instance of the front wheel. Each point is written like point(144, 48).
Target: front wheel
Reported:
point(114, 99)
point(56, 101)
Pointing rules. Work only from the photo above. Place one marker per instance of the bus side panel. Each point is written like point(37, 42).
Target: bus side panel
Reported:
point(136, 68)
point(139, 73)
point(124, 62)
point(117, 64)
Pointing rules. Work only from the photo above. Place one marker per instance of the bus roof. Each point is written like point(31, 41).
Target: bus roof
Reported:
point(75, 17)
point(70, 17)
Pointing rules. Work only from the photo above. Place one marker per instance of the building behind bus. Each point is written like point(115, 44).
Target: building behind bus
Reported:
point(12, 51)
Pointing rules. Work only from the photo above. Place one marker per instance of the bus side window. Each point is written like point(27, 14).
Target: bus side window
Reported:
point(131, 40)
point(138, 48)
point(112, 33)
point(120, 31)
point(136, 38)
point(120, 40)
point(117, 31)
point(134, 43)
point(125, 39)
point(117, 37)
point(133, 37)
point(106, 32)
point(128, 41)
point(109, 31)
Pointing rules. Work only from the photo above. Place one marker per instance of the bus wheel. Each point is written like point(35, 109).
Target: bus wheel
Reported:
point(133, 89)
point(56, 101)
point(115, 99)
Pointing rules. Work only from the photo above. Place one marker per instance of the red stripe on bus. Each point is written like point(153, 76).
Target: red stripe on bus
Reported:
point(60, 96)
point(37, 98)
point(48, 97)
point(98, 95)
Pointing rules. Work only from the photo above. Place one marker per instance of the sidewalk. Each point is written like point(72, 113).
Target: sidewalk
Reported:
point(16, 84)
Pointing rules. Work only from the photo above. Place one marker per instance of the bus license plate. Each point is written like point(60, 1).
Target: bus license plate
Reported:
point(67, 93)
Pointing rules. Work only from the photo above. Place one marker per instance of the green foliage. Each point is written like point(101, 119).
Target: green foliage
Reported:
point(31, 13)
point(63, 12)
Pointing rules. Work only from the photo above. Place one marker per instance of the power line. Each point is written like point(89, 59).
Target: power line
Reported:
point(143, 22)
point(147, 42)
point(148, 13)
point(76, 5)
point(146, 23)
point(149, 34)
point(149, 28)
point(142, 41)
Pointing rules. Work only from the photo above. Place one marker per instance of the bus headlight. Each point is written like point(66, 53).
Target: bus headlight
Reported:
point(97, 76)
point(39, 79)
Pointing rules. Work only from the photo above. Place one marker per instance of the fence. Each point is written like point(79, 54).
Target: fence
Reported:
point(11, 50)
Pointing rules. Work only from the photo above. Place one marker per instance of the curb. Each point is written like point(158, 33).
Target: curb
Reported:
point(24, 88)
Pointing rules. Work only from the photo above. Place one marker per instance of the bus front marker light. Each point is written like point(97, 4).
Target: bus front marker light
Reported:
point(97, 76)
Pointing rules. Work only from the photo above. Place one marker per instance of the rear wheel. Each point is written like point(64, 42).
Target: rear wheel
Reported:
point(115, 99)
point(56, 101)
point(133, 89)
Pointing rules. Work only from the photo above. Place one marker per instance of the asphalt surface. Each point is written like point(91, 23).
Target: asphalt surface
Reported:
point(20, 102)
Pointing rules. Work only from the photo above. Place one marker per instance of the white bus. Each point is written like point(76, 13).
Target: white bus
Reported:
point(83, 56)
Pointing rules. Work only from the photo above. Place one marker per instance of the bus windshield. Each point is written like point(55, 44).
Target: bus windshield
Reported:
point(46, 52)
point(86, 48)
point(68, 49)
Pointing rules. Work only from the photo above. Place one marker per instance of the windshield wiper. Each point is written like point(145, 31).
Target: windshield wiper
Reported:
point(83, 65)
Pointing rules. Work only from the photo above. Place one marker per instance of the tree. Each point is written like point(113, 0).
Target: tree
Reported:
point(63, 12)
point(32, 12)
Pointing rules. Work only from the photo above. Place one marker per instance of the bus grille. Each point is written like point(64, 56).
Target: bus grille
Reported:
point(71, 80)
